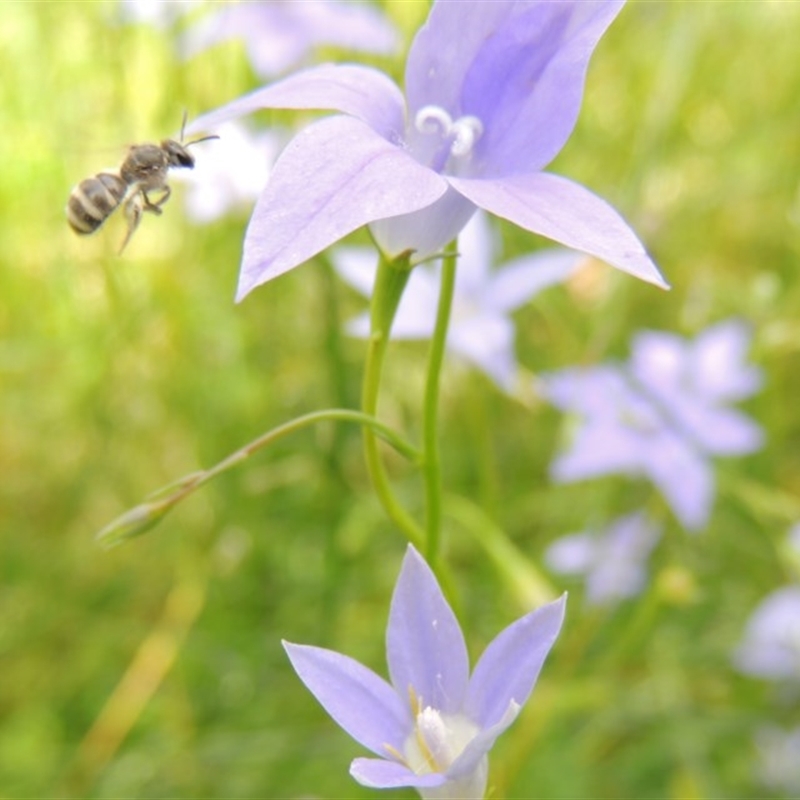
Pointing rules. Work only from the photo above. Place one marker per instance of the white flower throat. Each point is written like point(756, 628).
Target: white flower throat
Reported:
point(437, 739)
point(457, 137)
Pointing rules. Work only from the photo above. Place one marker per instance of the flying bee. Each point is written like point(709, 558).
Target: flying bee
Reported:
point(143, 172)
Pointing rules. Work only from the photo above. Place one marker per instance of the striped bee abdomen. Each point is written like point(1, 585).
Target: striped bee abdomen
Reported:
point(93, 200)
point(142, 175)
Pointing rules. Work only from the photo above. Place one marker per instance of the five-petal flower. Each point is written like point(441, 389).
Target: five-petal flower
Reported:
point(481, 330)
point(434, 724)
point(492, 93)
point(613, 560)
point(662, 415)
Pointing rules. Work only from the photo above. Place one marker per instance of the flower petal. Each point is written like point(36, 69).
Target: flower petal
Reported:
point(718, 361)
point(724, 431)
point(445, 47)
point(623, 550)
point(424, 644)
point(684, 476)
point(416, 315)
point(519, 67)
point(357, 699)
point(357, 266)
point(517, 281)
point(510, 665)
point(380, 774)
point(600, 448)
point(472, 759)
point(424, 232)
point(487, 340)
point(771, 644)
point(278, 35)
point(334, 177)
point(566, 212)
point(476, 248)
point(573, 554)
point(591, 391)
point(361, 92)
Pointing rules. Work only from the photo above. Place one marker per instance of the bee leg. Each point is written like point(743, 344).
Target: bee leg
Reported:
point(155, 206)
point(134, 207)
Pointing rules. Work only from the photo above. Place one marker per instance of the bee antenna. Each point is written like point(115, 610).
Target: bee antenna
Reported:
point(203, 139)
point(183, 122)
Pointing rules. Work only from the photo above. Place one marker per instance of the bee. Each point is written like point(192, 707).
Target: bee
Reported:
point(143, 175)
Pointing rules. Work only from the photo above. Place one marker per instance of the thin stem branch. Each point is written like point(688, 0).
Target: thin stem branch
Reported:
point(431, 463)
point(146, 515)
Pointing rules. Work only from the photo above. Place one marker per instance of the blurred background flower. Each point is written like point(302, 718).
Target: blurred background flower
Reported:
point(279, 35)
point(661, 415)
point(770, 647)
point(481, 330)
point(231, 172)
point(613, 561)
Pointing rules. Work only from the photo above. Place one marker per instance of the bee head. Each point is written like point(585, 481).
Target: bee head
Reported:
point(177, 154)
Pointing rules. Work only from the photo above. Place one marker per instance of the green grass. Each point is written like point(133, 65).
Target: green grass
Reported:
point(119, 375)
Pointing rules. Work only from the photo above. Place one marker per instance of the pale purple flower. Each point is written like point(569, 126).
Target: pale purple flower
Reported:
point(481, 330)
point(770, 647)
point(613, 560)
point(434, 724)
point(278, 34)
point(492, 93)
point(662, 416)
point(231, 172)
point(779, 759)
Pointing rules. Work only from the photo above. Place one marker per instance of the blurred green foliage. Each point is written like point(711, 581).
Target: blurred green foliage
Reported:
point(155, 669)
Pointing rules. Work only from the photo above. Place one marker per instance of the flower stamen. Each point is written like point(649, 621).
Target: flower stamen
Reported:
point(467, 132)
point(459, 136)
point(433, 119)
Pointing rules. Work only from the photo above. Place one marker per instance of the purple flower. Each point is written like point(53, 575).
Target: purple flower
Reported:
point(770, 647)
point(434, 724)
point(279, 35)
point(612, 560)
point(481, 330)
point(493, 91)
point(662, 415)
point(231, 174)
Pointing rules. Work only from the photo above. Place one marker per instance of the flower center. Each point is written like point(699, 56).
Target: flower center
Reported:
point(437, 739)
point(457, 137)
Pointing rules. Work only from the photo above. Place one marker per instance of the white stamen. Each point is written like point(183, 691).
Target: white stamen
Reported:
point(464, 132)
point(467, 130)
point(433, 737)
point(433, 119)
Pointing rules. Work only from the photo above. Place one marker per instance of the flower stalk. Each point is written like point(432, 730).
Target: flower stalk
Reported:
point(391, 279)
point(430, 420)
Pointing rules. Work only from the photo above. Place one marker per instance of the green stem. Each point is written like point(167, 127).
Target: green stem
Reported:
point(517, 571)
point(144, 516)
point(430, 415)
point(390, 282)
